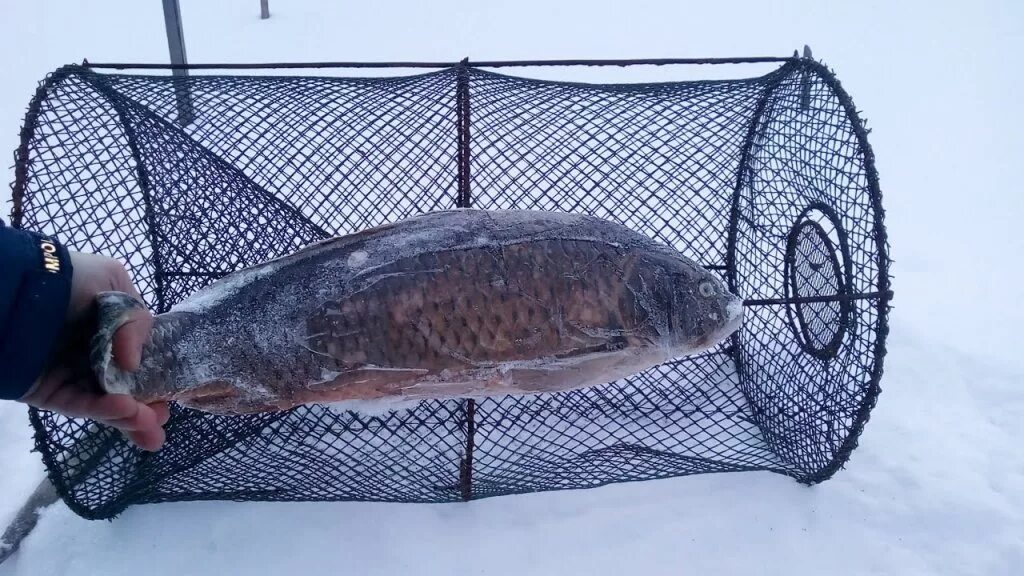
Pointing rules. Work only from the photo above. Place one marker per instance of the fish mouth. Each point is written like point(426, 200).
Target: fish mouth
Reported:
point(734, 315)
point(733, 320)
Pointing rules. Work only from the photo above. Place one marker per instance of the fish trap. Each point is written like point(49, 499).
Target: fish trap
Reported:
point(768, 180)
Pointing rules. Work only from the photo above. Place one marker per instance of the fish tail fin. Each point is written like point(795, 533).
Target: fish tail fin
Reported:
point(113, 311)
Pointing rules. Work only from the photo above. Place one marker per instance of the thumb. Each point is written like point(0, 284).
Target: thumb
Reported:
point(130, 338)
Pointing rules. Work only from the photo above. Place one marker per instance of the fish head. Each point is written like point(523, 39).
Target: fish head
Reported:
point(681, 305)
point(701, 311)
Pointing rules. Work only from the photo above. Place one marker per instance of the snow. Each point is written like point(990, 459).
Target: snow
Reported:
point(937, 484)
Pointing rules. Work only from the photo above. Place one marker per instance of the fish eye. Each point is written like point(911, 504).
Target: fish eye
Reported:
point(707, 289)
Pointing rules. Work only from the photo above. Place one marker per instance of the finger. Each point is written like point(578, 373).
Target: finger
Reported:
point(73, 401)
point(130, 338)
point(141, 423)
point(143, 417)
point(135, 423)
point(162, 411)
point(144, 429)
point(150, 440)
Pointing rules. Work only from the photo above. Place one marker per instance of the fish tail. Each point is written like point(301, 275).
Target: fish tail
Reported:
point(113, 311)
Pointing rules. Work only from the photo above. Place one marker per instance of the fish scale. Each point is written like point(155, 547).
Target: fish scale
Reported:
point(461, 303)
point(494, 312)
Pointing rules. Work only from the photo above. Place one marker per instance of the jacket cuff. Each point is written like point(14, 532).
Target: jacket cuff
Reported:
point(34, 294)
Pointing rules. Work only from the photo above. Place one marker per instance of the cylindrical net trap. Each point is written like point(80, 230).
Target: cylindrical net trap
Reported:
point(768, 180)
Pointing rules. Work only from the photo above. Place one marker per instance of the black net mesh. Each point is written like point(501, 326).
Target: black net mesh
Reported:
point(767, 180)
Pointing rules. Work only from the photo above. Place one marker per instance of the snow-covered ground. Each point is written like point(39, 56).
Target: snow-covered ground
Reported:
point(937, 485)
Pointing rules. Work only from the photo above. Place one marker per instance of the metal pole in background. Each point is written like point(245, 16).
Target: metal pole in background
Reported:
point(264, 9)
point(805, 94)
point(176, 45)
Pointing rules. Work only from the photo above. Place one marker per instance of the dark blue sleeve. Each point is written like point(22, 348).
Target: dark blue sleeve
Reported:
point(35, 287)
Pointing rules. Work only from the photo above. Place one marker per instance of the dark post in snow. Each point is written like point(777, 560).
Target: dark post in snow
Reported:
point(176, 45)
point(264, 9)
point(44, 495)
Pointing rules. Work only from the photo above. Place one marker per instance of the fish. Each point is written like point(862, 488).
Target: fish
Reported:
point(459, 303)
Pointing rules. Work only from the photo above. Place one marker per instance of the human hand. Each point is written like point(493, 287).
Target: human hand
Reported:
point(67, 388)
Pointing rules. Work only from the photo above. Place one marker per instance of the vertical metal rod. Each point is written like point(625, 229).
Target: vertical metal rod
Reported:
point(466, 466)
point(805, 95)
point(176, 46)
point(264, 9)
point(465, 200)
point(462, 113)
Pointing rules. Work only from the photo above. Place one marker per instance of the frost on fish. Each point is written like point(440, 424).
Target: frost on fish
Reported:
point(462, 303)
